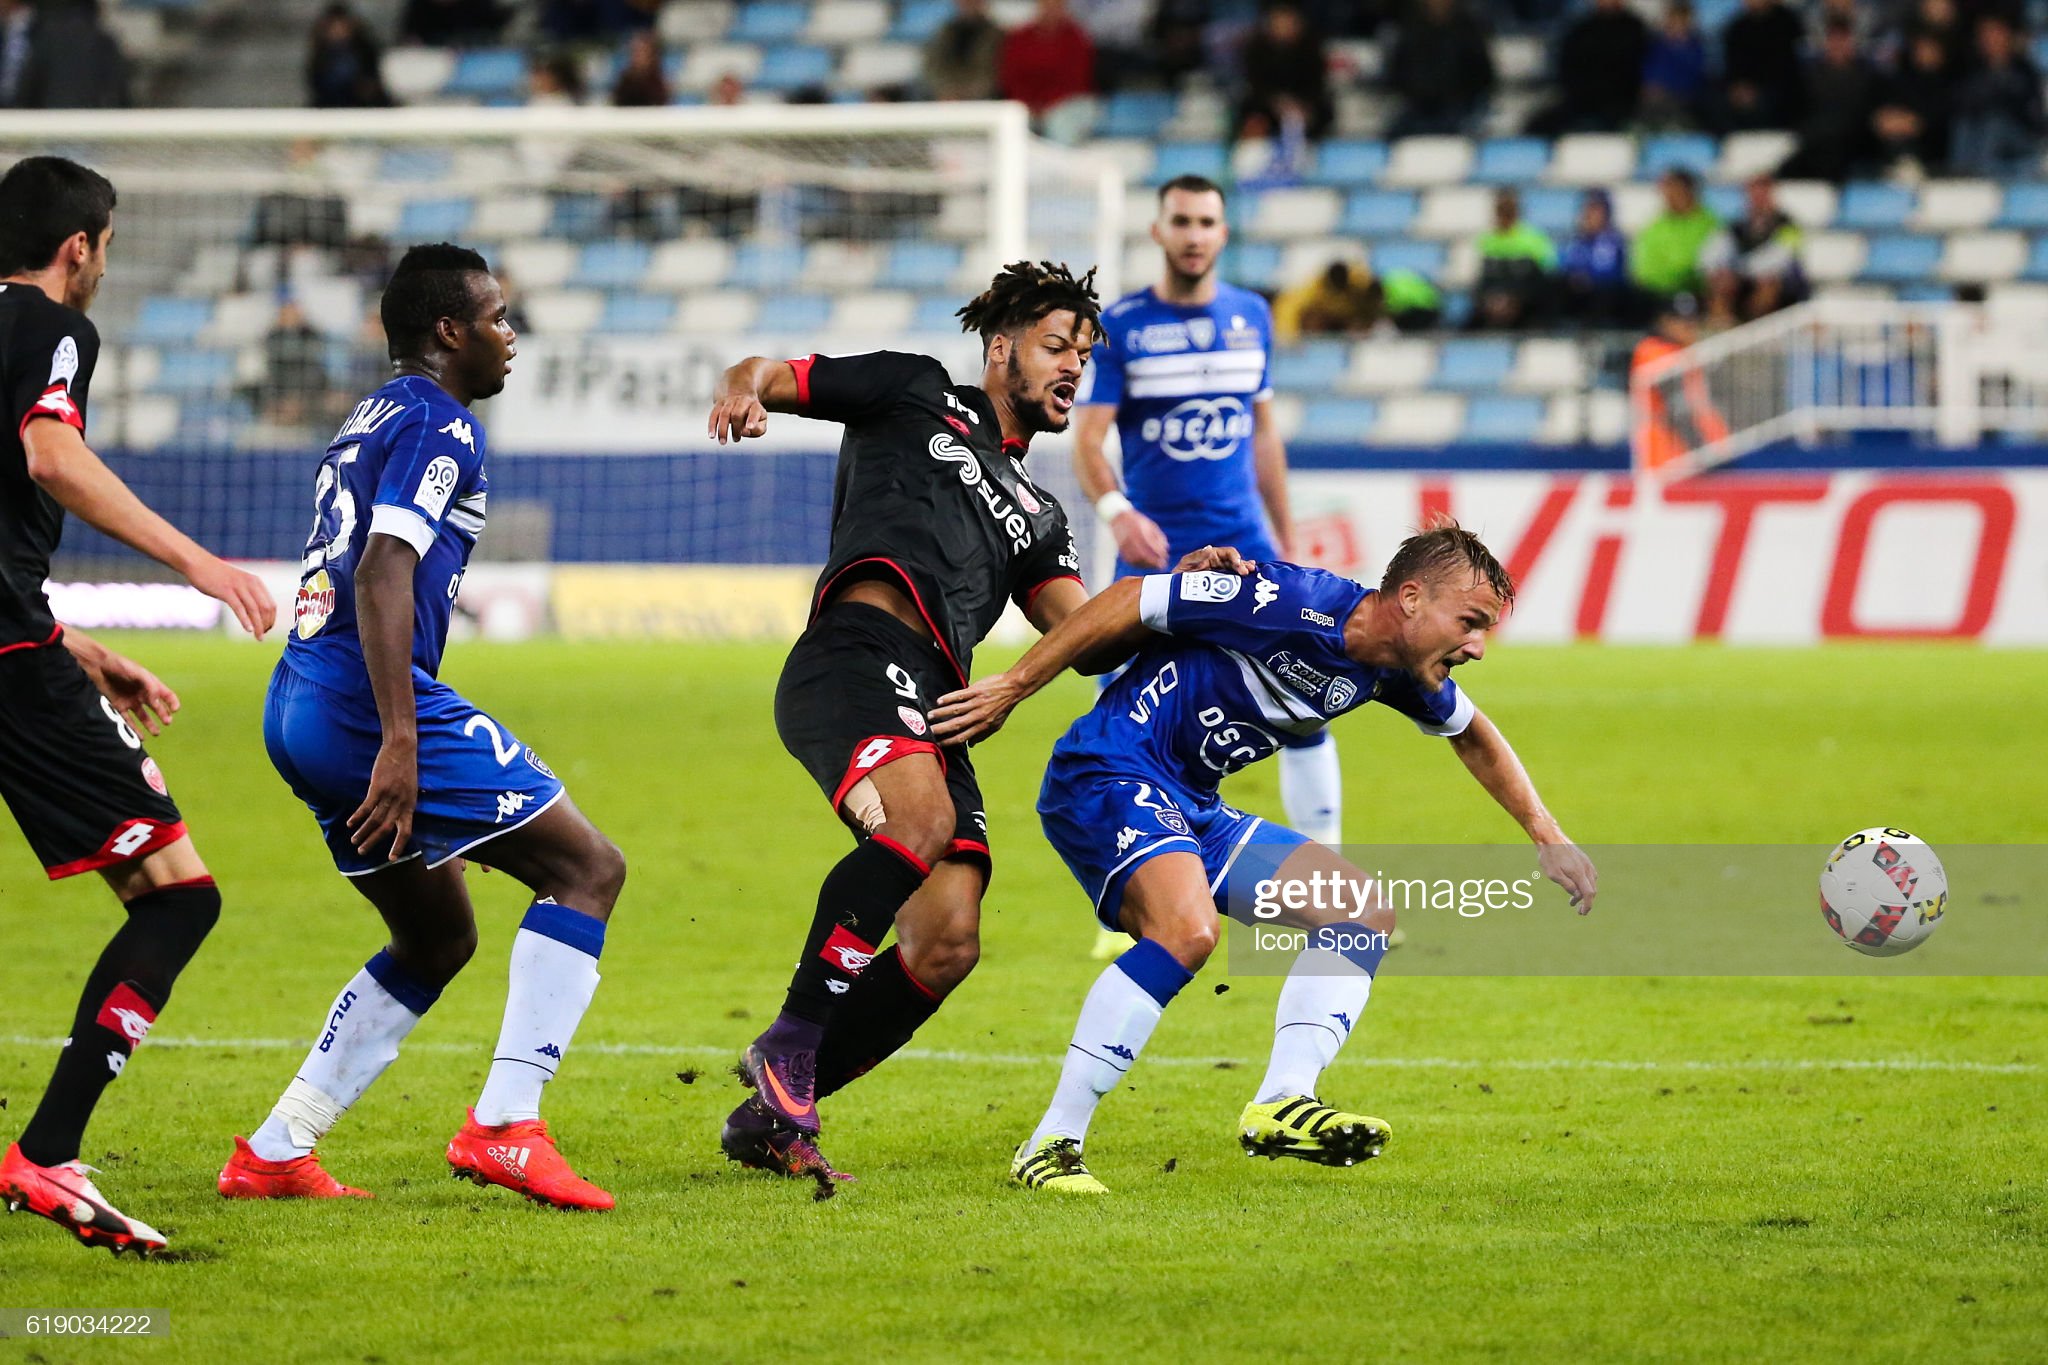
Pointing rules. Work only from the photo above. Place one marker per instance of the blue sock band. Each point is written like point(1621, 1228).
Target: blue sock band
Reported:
point(1356, 944)
point(400, 984)
point(1155, 970)
point(584, 933)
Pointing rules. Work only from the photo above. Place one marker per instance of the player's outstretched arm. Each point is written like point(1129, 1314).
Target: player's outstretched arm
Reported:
point(746, 395)
point(133, 690)
point(1488, 758)
point(384, 623)
point(1107, 626)
point(65, 467)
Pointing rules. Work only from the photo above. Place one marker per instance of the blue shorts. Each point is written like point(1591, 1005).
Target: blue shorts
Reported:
point(1107, 825)
point(477, 780)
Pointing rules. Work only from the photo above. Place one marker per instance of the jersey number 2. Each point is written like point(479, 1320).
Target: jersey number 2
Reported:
point(504, 749)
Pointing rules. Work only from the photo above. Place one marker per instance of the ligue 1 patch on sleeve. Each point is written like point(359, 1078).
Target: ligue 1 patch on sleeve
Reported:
point(1208, 587)
point(125, 1012)
point(64, 362)
point(437, 485)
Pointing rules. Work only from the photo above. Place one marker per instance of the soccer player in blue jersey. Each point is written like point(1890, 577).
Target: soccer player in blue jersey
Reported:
point(1184, 372)
point(1229, 669)
point(407, 778)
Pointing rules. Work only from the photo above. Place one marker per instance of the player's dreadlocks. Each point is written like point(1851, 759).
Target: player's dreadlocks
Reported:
point(1441, 550)
point(1025, 291)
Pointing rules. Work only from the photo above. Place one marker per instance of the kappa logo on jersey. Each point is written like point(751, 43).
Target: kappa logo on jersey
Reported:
point(1342, 692)
point(64, 362)
point(1298, 675)
point(911, 719)
point(1119, 1050)
point(1317, 618)
point(461, 431)
point(509, 803)
point(846, 952)
point(548, 1050)
point(437, 485)
point(125, 1012)
point(1263, 593)
point(1200, 429)
point(1125, 838)
point(1208, 586)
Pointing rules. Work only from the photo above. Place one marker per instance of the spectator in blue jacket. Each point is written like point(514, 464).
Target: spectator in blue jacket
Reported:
point(1675, 71)
point(1594, 267)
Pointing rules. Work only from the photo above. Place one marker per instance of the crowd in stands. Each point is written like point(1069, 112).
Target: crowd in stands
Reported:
point(58, 54)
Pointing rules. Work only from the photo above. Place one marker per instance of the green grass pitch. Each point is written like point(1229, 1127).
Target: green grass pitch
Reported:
point(1582, 1169)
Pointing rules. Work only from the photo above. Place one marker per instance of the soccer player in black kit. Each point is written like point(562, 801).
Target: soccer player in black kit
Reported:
point(936, 526)
point(72, 767)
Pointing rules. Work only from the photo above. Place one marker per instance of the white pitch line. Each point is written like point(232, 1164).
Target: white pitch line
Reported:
point(1928, 1064)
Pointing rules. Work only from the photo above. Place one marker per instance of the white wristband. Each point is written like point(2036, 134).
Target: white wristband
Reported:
point(1112, 505)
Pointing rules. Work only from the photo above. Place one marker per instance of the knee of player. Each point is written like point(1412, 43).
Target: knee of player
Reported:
point(939, 964)
point(924, 829)
point(436, 964)
point(1189, 938)
point(606, 872)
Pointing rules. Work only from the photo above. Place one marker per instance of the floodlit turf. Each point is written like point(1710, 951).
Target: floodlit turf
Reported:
point(1582, 1169)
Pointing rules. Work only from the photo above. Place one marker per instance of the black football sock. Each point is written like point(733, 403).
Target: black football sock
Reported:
point(123, 994)
point(875, 1018)
point(856, 906)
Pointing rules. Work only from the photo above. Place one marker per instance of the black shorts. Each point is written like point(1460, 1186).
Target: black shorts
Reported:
point(855, 694)
point(75, 774)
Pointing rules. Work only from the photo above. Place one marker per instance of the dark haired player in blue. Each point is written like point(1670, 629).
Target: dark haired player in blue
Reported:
point(407, 778)
point(1230, 669)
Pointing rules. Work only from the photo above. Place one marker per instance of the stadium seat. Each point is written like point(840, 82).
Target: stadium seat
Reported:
point(1957, 205)
point(1304, 211)
point(1725, 202)
point(239, 319)
point(195, 370)
point(1419, 419)
point(2037, 261)
point(512, 215)
point(1564, 420)
point(1497, 418)
point(167, 321)
point(435, 220)
point(1695, 152)
point(793, 313)
point(717, 312)
point(1901, 258)
point(1133, 159)
point(1336, 421)
point(1982, 257)
point(2026, 206)
point(578, 217)
point(1402, 365)
point(920, 266)
point(1552, 208)
point(1255, 265)
point(1869, 207)
point(766, 265)
point(839, 267)
point(837, 22)
point(539, 264)
point(873, 313)
point(1419, 161)
point(1346, 162)
point(1833, 257)
point(424, 164)
point(871, 66)
point(565, 312)
point(917, 20)
point(1308, 258)
point(1378, 213)
point(1424, 258)
point(1190, 158)
point(786, 67)
point(1592, 159)
point(2020, 303)
point(1458, 211)
point(1135, 113)
point(1757, 153)
point(1474, 364)
point(708, 63)
point(637, 313)
point(487, 71)
point(1310, 367)
point(1511, 161)
point(613, 264)
point(769, 22)
point(1811, 203)
point(1548, 365)
point(1635, 204)
point(1519, 59)
point(414, 74)
point(935, 313)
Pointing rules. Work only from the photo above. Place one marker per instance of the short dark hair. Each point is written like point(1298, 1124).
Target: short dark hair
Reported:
point(432, 282)
point(1193, 184)
point(45, 201)
point(1439, 551)
point(1025, 291)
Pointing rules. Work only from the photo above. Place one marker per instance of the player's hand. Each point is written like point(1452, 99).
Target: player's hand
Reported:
point(975, 711)
point(1571, 869)
point(388, 809)
point(135, 692)
point(737, 416)
point(1220, 557)
point(1139, 540)
point(239, 590)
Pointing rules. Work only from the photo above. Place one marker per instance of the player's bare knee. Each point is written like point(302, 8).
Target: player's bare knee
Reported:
point(940, 963)
point(436, 962)
point(923, 828)
point(603, 877)
point(1189, 938)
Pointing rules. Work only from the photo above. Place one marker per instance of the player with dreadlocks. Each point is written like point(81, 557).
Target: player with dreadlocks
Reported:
point(936, 525)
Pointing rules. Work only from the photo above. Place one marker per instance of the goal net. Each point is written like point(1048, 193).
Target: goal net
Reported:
point(643, 252)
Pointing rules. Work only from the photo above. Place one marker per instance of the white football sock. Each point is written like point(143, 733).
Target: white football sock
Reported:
point(554, 976)
point(1312, 791)
point(360, 1037)
point(1319, 1005)
point(1116, 1020)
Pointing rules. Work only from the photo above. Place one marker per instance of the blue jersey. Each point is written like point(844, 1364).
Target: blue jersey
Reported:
point(1183, 379)
point(1250, 666)
point(408, 462)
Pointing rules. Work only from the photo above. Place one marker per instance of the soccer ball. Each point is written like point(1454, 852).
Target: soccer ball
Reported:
point(1883, 891)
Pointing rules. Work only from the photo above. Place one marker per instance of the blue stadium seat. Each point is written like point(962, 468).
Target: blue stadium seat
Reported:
point(1870, 207)
point(1256, 265)
point(919, 266)
point(1424, 258)
point(1552, 208)
point(935, 313)
point(761, 265)
point(637, 313)
point(488, 71)
point(1902, 258)
point(1311, 367)
point(2037, 261)
point(415, 164)
point(435, 220)
point(1511, 161)
point(1190, 158)
point(769, 22)
point(167, 321)
point(919, 19)
point(1457, 309)
point(577, 217)
point(1342, 163)
point(1494, 417)
point(1469, 364)
point(195, 369)
point(789, 66)
point(794, 313)
point(1136, 113)
point(1726, 202)
point(2026, 207)
point(1694, 152)
point(613, 265)
point(1931, 292)
point(1378, 213)
point(1337, 421)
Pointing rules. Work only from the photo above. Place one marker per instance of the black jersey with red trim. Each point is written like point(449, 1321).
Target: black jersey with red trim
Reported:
point(47, 352)
point(930, 495)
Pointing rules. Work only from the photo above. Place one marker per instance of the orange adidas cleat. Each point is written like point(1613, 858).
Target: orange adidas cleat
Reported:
point(249, 1176)
point(65, 1195)
point(521, 1157)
